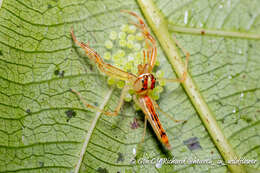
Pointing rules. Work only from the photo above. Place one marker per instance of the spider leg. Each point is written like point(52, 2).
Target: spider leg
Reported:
point(152, 49)
point(145, 124)
point(166, 114)
point(114, 113)
point(142, 141)
point(187, 54)
point(104, 67)
point(184, 75)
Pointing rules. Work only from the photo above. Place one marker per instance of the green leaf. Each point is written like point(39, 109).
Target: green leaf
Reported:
point(45, 128)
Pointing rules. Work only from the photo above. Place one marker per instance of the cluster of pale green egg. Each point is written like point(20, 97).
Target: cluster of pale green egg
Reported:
point(124, 50)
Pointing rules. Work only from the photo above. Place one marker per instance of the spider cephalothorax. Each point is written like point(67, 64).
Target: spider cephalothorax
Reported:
point(144, 83)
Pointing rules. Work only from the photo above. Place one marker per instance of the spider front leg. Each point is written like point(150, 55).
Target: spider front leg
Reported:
point(106, 68)
point(152, 49)
point(115, 112)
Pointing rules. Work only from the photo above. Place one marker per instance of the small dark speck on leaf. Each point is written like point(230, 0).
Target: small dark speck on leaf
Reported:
point(28, 111)
point(248, 120)
point(220, 103)
point(250, 45)
point(202, 32)
point(102, 170)
point(120, 157)
point(134, 124)
point(59, 73)
point(211, 152)
point(70, 113)
point(91, 68)
point(41, 164)
point(56, 72)
point(118, 172)
point(192, 143)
